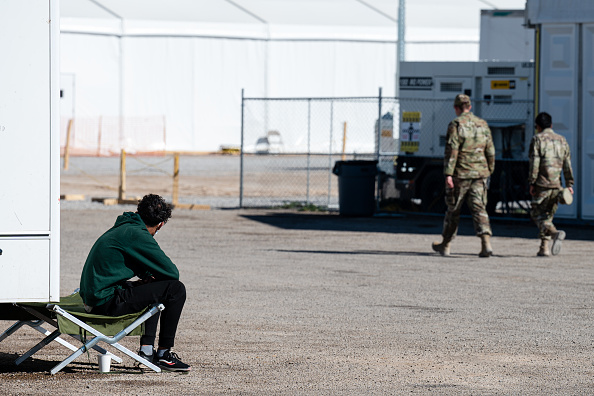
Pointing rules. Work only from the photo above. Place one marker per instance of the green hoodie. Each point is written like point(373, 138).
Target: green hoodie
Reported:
point(125, 250)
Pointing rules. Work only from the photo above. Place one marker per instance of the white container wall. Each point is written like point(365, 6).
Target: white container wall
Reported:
point(586, 190)
point(29, 152)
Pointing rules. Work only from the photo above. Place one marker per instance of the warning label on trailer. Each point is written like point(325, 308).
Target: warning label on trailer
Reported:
point(416, 83)
point(503, 84)
point(410, 132)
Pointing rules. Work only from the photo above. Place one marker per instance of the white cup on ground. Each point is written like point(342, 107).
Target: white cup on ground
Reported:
point(104, 363)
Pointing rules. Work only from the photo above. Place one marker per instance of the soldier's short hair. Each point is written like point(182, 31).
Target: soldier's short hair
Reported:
point(543, 120)
point(462, 101)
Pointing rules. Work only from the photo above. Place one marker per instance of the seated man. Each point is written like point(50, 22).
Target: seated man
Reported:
point(126, 250)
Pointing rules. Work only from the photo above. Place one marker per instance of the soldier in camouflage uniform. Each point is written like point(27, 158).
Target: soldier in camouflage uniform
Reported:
point(549, 157)
point(468, 162)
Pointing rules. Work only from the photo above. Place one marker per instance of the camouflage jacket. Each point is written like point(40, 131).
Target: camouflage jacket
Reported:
point(549, 157)
point(469, 151)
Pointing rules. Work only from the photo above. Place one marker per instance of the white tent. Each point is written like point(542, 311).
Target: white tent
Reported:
point(156, 75)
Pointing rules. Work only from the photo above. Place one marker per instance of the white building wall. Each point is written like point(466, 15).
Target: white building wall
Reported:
point(559, 89)
point(585, 187)
point(94, 61)
point(504, 36)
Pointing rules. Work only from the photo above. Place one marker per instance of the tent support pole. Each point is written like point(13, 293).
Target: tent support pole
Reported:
point(241, 154)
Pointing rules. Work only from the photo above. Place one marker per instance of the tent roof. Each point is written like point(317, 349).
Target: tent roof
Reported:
point(373, 20)
point(299, 12)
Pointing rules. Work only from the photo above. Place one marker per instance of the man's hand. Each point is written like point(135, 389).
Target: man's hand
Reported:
point(145, 281)
point(449, 182)
point(570, 190)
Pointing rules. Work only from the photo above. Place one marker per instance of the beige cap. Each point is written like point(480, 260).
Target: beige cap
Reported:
point(565, 197)
point(461, 100)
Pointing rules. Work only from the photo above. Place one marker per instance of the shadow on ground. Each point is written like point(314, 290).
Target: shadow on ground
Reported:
point(31, 365)
point(42, 367)
point(408, 224)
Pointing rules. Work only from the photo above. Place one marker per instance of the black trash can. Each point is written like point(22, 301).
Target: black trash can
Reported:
point(356, 187)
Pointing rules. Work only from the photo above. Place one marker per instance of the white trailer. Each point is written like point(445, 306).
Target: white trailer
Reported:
point(504, 37)
point(564, 41)
point(29, 151)
point(501, 93)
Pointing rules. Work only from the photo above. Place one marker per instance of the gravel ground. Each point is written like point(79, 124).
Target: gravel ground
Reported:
point(284, 302)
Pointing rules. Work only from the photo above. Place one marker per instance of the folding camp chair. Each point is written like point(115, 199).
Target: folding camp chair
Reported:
point(64, 318)
point(34, 317)
point(74, 321)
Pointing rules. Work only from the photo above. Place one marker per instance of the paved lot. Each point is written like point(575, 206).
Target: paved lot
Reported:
point(302, 303)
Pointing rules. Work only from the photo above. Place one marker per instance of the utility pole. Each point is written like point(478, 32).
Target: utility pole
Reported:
point(400, 53)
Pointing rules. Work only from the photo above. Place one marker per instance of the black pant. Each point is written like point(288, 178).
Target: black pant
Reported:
point(170, 293)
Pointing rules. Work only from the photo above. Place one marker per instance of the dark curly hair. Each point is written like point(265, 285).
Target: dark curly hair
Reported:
point(153, 209)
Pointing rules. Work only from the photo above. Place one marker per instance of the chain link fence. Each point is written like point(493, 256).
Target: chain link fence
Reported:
point(105, 136)
point(289, 147)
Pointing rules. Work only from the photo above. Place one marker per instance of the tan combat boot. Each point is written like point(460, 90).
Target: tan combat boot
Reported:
point(442, 248)
point(486, 249)
point(544, 250)
point(558, 237)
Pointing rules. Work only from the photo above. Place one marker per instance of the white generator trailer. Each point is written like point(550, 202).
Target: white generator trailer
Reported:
point(501, 93)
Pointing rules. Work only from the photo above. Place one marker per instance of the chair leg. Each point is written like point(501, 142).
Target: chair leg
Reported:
point(35, 324)
point(37, 347)
point(59, 340)
point(12, 329)
point(72, 347)
point(69, 359)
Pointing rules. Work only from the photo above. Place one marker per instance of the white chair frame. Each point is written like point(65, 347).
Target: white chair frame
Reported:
point(87, 345)
point(99, 337)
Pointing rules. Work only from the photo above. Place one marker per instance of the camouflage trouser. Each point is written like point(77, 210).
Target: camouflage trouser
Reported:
point(475, 193)
point(544, 205)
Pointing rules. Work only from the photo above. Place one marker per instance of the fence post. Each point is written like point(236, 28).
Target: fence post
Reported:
point(330, 152)
point(122, 190)
point(377, 149)
point(164, 133)
point(344, 129)
point(308, 149)
point(175, 195)
point(241, 155)
point(67, 147)
point(99, 136)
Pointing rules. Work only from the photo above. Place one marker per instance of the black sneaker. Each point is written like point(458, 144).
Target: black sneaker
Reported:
point(150, 357)
point(170, 361)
